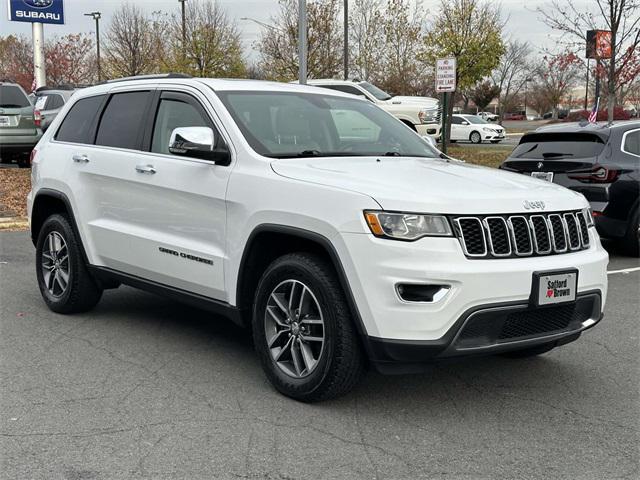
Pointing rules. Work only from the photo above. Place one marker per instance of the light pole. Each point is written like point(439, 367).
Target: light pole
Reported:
point(184, 26)
point(96, 16)
point(262, 24)
point(346, 39)
point(302, 42)
point(526, 84)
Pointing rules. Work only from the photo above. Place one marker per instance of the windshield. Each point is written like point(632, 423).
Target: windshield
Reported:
point(474, 119)
point(13, 97)
point(375, 91)
point(557, 145)
point(291, 124)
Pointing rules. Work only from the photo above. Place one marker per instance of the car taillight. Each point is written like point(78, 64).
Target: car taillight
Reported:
point(32, 156)
point(37, 118)
point(598, 174)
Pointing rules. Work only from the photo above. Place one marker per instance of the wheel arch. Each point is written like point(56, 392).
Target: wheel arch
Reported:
point(475, 131)
point(409, 124)
point(48, 202)
point(270, 241)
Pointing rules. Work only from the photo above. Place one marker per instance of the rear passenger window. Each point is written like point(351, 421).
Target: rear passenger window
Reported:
point(54, 101)
point(632, 143)
point(122, 120)
point(76, 126)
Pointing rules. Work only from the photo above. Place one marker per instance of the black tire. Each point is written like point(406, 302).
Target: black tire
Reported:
point(340, 363)
point(529, 352)
point(630, 243)
point(81, 292)
point(475, 137)
point(495, 141)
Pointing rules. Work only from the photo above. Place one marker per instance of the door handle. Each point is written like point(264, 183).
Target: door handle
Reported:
point(80, 159)
point(149, 169)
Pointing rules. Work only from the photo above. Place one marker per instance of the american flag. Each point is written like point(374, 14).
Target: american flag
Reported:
point(593, 116)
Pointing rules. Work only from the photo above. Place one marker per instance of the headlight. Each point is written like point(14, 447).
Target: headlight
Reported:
point(588, 216)
point(407, 226)
point(428, 115)
point(490, 130)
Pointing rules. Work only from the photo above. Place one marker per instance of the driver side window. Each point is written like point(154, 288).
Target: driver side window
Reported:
point(173, 113)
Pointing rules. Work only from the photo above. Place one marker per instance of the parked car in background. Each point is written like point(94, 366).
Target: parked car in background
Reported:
point(514, 116)
point(421, 114)
point(475, 129)
point(601, 162)
point(488, 116)
point(562, 114)
point(48, 103)
point(18, 131)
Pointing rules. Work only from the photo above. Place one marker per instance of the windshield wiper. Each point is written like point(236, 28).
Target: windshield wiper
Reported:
point(556, 154)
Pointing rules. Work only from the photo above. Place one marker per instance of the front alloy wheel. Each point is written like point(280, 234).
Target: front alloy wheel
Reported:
point(303, 331)
point(294, 328)
point(475, 137)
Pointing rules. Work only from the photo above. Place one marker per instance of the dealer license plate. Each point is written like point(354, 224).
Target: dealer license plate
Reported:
point(552, 288)
point(4, 121)
point(548, 176)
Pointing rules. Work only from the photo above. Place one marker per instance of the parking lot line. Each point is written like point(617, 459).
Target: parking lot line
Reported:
point(624, 270)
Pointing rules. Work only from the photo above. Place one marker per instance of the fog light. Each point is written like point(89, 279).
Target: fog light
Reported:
point(411, 292)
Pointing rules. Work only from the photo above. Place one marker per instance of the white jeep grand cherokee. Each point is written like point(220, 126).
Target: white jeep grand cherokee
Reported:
point(317, 220)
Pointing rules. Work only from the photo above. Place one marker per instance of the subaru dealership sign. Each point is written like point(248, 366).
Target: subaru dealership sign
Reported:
point(42, 11)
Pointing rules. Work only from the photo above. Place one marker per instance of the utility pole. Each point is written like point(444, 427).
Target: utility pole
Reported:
point(346, 39)
point(302, 42)
point(526, 85)
point(96, 16)
point(39, 72)
point(586, 88)
point(184, 28)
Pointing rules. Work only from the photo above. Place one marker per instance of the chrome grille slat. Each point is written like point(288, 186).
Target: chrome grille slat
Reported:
point(521, 235)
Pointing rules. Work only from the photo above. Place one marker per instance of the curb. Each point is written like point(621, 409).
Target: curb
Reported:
point(14, 223)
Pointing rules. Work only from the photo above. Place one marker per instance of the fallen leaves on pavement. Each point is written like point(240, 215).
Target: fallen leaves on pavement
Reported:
point(15, 184)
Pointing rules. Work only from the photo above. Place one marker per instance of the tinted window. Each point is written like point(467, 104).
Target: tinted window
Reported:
point(283, 124)
point(76, 126)
point(632, 142)
point(54, 101)
point(173, 114)
point(375, 91)
point(13, 97)
point(345, 89)
point(559, 145)
point(122, 120)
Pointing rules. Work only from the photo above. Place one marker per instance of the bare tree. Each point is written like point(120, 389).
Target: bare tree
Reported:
point(621, 17)
point(512, 73)
point(131, 47)
point(212, 48)
point(278, 44)
point(366, 39)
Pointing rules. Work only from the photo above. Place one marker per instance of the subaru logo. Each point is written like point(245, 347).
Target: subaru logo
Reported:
point(533, 204)
point(38, 3)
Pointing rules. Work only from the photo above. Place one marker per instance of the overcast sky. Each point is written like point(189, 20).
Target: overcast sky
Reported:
point(522, 22)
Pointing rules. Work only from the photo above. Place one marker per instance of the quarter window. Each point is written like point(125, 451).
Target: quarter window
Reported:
point(77, 125)
point(122, 120)
point(632, 142)
point(54, 101)
point(173, 114)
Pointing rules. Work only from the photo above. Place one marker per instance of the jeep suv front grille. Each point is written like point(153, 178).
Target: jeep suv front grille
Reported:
point(504, 236)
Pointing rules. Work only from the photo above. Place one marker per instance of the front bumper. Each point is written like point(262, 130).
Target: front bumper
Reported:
point(375, 267)
point(492, 329)
point(431, 129)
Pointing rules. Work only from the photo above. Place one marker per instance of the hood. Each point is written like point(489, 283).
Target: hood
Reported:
point(430, 185)
point(427, 102)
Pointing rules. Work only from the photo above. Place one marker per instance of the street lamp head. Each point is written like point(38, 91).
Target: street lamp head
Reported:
point(94, 15)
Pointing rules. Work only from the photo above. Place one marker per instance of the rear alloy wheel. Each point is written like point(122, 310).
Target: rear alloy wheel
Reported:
point(303, 331)
point(475, 137)
point(65, 284)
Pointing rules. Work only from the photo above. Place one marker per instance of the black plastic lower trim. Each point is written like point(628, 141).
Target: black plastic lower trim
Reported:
point(405, 356)
point(200, 301)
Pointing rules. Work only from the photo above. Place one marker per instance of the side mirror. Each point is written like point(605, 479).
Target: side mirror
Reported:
point(197, 142)
point(464, 123)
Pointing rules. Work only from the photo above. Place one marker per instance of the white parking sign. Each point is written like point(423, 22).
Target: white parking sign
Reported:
point(446, 75)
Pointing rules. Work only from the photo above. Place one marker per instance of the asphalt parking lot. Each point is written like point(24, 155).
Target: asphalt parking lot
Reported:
point(143, 387)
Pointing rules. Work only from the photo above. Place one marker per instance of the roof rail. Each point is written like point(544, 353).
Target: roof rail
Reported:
point(64, 86)
point(152, 76)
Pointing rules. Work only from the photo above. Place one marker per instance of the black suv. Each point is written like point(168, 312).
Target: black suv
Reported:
point(601, 162)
